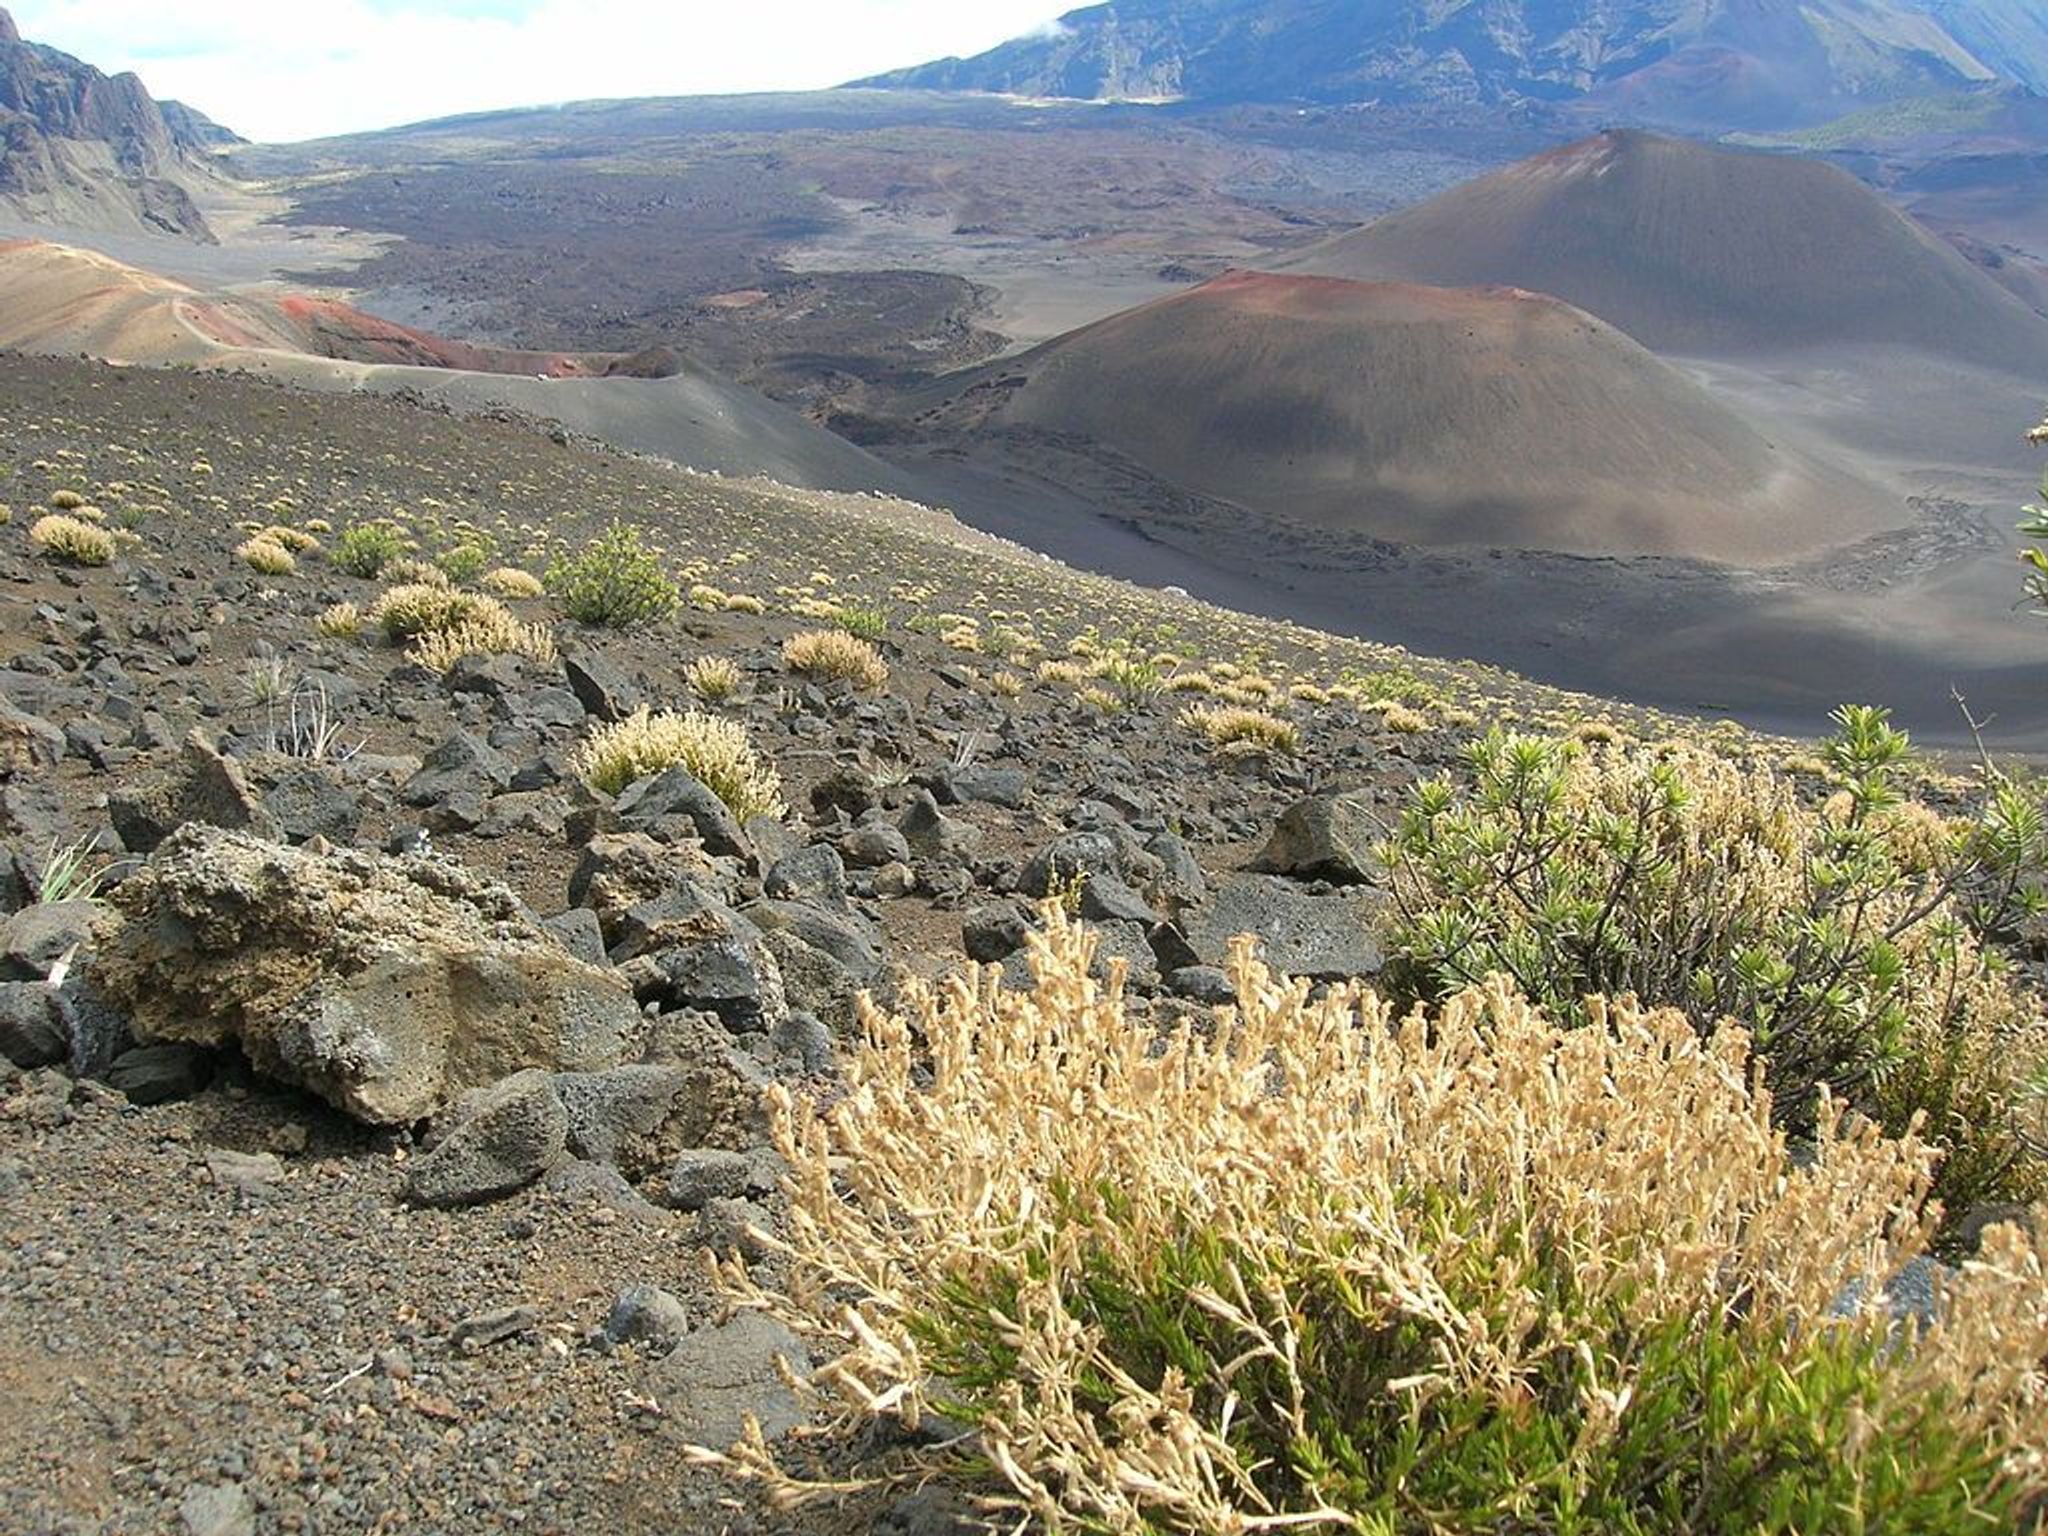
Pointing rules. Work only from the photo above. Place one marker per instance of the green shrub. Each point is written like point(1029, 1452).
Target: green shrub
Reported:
point(1841, 935)
point(1135, 681)
point(866, 623)
point(465, 562)
point(366, 548)
point(615, 583)
point(1314, 1265)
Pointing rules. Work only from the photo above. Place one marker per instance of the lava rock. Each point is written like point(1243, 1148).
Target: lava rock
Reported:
point(1326, 938)
point(1324, 837)
point(509, 1135)
point(385, 986)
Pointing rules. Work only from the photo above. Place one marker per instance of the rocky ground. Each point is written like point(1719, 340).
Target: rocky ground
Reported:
point(361, 1144)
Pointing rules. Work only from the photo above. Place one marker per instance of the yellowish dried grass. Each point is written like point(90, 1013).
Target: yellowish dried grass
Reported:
point(1235, 729)
point(1510, 1202)
point(70, 541)
point(716, 752)
point(832, 655)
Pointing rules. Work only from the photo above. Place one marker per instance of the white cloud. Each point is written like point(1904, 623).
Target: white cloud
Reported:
point(287, 69)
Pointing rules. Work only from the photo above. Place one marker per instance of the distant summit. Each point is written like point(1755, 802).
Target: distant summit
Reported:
point(86, 150)
point(1700, 63)
point(1690, 247)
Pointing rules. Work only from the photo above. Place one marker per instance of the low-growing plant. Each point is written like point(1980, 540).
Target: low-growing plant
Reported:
point(1842, 935)
point(308, 727)
point(1320, 1265)
point(1135, 681)
point(488, 632)
point(509, 582)
point(340, 621)
point(716, 752)
point(266, 557)
point(464, 562)
point(866, 623)
point(1234, 729)
point(69, 541)
point(615, 582)
point(295, 540)
point(408, 571)
point(266, 678)
point(365, 549)
point(833, 656)
point(75, 871)
point(67, 500)
point(2034, 529)
point(714, 678)
point(415, 609)
point(1403, 721)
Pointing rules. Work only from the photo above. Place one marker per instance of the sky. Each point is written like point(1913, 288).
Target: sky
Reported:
point(277, 70)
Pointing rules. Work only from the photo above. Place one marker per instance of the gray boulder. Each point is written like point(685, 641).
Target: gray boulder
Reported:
point(638, 1118)
point(29, 744)
point(1324, 837)
point(646, 1314)
point(198, 786)
point(718, 1377)
point(308, 800)
point(32, 1032)
point(161, 1074)
point(674, 804)
point(507, 1136)
point(36, 938)
point(459, 766)
point(1327, 938)
point(816, 875)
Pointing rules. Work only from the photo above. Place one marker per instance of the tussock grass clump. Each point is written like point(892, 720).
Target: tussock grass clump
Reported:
point(1846, 936)
point(714, 678)
point(69, 541)
point(616, 582)
point(833, 656)
point(365, 549)
point(265, 556)
point(489, 632)
point(1320, 1266)
point(509, 582)
point(297, 541)
point(1234, 729)
point(420, 608)
point(413, 572)
point(716, 752)
point(340, 621)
